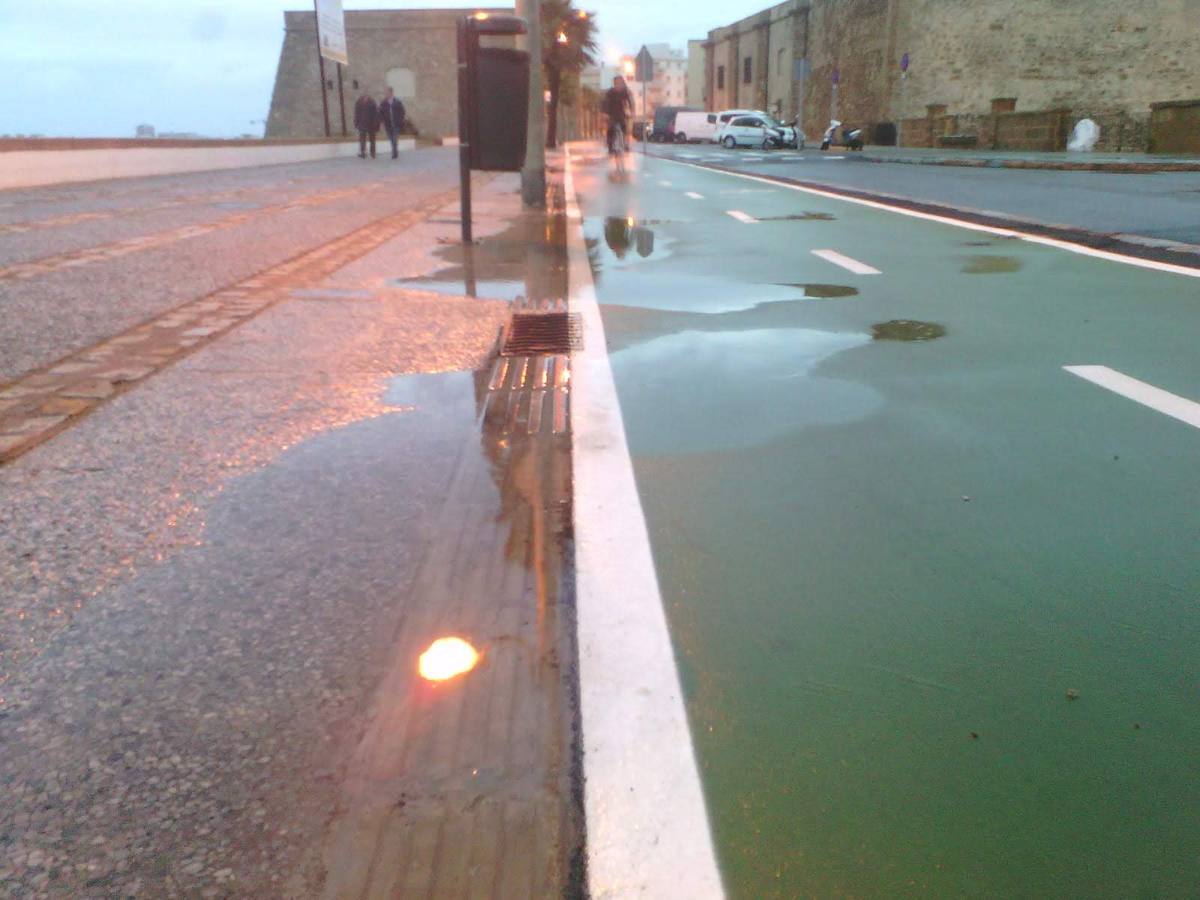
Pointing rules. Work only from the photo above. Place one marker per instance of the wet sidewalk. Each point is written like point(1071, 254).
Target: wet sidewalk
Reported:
point(218, 584)
point(1015, 159)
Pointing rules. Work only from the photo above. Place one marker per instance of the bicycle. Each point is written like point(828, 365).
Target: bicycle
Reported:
point(616, 145)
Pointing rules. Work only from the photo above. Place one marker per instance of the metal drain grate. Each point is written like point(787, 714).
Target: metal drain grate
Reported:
point(533, 334)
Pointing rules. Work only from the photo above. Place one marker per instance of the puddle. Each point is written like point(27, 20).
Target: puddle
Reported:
point(984, 264)
point(800, 217)
point(907, 330)
point(492, 290)
point(625, 326)
point(824, 291)
point(700, 392)
point(527, 259)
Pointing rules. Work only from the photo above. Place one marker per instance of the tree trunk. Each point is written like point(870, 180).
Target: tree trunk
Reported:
point(554, 78)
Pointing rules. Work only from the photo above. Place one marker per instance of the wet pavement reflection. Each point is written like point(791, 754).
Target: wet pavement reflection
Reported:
point(525, 260)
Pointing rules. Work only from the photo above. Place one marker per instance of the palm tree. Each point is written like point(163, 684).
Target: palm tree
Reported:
point(568, 42)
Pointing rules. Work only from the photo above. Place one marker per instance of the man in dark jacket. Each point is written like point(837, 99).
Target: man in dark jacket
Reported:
point(366, 121)
point(391, 116)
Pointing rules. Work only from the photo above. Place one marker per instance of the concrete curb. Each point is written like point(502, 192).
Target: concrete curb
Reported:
point(1065, 165)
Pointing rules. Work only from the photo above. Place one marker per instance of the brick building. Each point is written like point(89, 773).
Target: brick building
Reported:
point(412, 50)
point(1014, 73)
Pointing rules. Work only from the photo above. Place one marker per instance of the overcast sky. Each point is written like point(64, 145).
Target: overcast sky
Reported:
point(98, 68)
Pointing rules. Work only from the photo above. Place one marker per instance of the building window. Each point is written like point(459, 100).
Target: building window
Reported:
point(747, 70)
point(403, 82)
point(720, 78)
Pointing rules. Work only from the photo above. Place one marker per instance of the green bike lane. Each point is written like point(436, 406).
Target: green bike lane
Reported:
point(933, 598)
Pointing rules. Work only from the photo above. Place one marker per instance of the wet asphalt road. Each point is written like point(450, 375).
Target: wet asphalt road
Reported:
point(932, 595)
point(262, 217)
point(1164, 205)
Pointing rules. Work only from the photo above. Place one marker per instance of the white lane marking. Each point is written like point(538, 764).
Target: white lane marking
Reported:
point(1146, 394)
point(846, 262)
point(648, 833)
point(689, 156)
point(665, 183)
point(969, 226)
point(694, 195)
point(833, 157)
point(741, 216)
point(752, 158)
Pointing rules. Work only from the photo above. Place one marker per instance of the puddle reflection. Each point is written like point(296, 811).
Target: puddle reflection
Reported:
point(528, 259)
point(700, 392)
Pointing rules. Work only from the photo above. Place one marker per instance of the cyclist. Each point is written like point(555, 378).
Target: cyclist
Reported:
point(618, 107)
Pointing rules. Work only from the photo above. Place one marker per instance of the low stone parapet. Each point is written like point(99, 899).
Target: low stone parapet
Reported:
point(30, 162)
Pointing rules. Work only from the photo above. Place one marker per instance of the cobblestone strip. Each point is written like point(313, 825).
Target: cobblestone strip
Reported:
point(43, 403)
point(88, 255)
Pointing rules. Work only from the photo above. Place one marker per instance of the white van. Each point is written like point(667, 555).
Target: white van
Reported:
point(691, 127)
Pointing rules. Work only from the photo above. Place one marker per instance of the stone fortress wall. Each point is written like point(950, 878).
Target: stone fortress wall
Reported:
point(414, 51)
point(1110, 60)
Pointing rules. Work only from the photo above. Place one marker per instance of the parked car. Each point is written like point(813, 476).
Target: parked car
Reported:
point(758, 130)
point(695, 127)
point(665, 119)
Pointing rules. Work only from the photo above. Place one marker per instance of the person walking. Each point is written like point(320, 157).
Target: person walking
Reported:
point(366, 121)
point(391, 116)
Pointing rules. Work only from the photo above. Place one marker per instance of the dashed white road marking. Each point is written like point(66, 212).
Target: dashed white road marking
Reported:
point(752, 158)
point(742, 217)
point(1146, 394)
point(648, 833)
point(694, 195)
point(846, 262)
point(665, 183)
point(1070, 247)
point(833, 157)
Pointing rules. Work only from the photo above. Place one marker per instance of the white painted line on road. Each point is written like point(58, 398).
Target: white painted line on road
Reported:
point(741, 216)
point(1146, 394)
point(833, 157)
point(665, 183)
point(846, 262)
point(694, 195)
point(1070, 247)
point(752, 158)
point(647, 826)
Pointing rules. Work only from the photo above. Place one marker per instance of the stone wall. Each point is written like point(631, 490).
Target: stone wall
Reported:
point(1108, 60)
point(413, 49)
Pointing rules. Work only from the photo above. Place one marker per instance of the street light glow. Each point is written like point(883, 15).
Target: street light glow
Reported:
point(447, 658)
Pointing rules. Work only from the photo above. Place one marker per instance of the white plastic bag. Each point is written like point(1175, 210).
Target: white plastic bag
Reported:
point(1084, 137)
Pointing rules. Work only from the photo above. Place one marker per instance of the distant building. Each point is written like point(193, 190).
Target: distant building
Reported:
point(669, 87)
point(413, 51)
point(978, 74)
point(144, 131)
point(695, 75)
